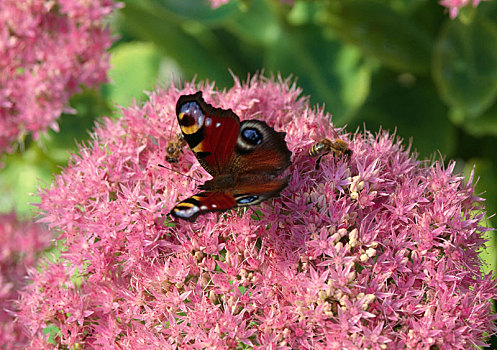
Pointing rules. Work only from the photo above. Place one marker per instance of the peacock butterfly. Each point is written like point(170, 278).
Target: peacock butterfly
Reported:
point(244, 158)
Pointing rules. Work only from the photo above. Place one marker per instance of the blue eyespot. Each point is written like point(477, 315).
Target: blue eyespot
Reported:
point(252, 136)
point(247, 199)
point(191, 114)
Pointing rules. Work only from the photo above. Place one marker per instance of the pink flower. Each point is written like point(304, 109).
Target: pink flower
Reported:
point(20, 245)
point(48, 49)
point(371, 251)
point(217, 3)
point(455, 5)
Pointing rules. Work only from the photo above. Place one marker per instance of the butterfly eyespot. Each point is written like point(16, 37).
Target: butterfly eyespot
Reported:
point(252, 136)
point(191, 117)
point(186, 212)
point(248, 199)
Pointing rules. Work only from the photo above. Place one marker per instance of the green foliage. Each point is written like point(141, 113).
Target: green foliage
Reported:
point(390, 36)
point(35, 163)
point(131, 83)
point(52, 331)
point(465, 67)
point(425, 117)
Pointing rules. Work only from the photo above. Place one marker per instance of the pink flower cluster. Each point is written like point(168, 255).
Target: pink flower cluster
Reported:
point(217, 3)
point(374, 251)
point(48, 49)
point(455, 5)
point(20, 245)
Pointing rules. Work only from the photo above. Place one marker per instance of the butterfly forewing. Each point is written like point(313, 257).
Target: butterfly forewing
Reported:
point(210, 132)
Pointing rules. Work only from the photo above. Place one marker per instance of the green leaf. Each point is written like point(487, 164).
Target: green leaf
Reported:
point(89, 105)
point(25, 171)
point(488, 9)
point(485, 124)
point(411, 107)
point(53, 331)
point(379, 31)
point(258, 25)
point(486, 173)
point(327, 70)
point(465, 66)
point(406, 6)
point(199, 10)
point(21, 177)
point(195, 48)
point(135, 67)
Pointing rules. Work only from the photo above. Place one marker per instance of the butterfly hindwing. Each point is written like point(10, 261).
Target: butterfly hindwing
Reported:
point(202, 203)
point(260, 149)
point(257, 190)
point(206, 201)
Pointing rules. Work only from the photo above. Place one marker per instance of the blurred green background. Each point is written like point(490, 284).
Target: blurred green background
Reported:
point(400, 65)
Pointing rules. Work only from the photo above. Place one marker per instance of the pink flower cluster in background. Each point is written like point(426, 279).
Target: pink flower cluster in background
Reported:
point(217, 3)
point(48, 49)
point(20, 245)
point(455, 5)
point(376, 251)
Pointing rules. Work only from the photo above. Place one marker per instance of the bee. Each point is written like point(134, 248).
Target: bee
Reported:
point(321, 148)
point(175, 148)
point(325, 146)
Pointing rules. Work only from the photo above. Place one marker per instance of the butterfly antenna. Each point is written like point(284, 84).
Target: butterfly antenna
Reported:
point(177, 172)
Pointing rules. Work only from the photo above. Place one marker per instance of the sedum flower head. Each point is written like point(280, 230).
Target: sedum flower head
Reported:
point(20, 245)
point(455, 5)
point(48, 50)
point(377, 251)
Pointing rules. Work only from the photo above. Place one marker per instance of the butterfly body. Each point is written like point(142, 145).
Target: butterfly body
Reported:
point(245, 158)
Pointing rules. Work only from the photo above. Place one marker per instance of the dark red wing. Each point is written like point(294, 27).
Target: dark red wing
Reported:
point(261, 149)
point(210, 132)
point(202, 203)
